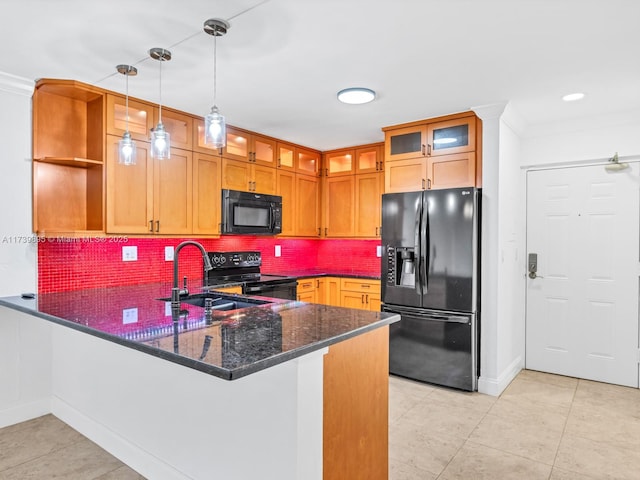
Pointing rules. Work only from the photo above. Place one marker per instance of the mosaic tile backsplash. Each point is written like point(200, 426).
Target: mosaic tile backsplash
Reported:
point(73, 264)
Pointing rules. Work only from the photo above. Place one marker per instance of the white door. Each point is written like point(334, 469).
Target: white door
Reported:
point(582, 307)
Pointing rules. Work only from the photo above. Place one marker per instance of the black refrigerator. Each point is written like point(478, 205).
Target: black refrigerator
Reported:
point(430, 276)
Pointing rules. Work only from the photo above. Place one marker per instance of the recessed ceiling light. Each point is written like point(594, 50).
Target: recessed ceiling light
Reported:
point(572, 97)
point(356, 95)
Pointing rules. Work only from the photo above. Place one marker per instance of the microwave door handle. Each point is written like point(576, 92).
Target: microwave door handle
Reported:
point(272, 209)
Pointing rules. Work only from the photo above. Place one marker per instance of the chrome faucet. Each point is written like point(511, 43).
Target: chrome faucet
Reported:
point(175, 291)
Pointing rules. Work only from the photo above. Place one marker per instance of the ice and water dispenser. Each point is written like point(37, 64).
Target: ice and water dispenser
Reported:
point(401, 269)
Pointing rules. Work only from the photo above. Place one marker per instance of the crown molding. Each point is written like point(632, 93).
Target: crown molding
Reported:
point(14, 84)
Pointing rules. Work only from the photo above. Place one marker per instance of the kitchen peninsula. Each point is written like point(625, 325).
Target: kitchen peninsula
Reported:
point(281, 390)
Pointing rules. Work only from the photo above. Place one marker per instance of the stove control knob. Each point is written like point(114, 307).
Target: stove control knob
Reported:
point(223, 260)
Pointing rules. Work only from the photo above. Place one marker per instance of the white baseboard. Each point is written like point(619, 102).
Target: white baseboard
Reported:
point(495, 386)
point(135, 457)
point(24, 412)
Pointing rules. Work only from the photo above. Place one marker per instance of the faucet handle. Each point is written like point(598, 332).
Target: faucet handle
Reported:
point(185, 290)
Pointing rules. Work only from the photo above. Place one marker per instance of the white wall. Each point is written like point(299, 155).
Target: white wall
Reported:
point(502, 309)
point(18, 251)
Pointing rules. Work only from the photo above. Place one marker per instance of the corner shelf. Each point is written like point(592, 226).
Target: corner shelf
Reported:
point(70, 161)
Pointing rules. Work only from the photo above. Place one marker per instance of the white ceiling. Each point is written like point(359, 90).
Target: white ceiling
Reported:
point(282, 62)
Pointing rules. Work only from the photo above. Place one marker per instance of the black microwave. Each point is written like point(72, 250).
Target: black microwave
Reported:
point(247, 213)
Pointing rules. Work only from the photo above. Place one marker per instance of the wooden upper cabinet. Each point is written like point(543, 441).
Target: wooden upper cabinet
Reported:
point(244, 176)
point(405, 143)
point(339, 162)
point(307, 161)
point(339, 205)
point(368, 205)
point(151, 196)
point(286, 188)
point(68, 153)
point(369, 159)
point(307, 222)
point(140, 120)
point(250, 147)
point(206, 194)
point(405, 175)
point(179, 125)
point(285, 156)
point(451, 171)
point(452, 136)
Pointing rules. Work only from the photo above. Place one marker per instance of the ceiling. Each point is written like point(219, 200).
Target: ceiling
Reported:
point(283, 61)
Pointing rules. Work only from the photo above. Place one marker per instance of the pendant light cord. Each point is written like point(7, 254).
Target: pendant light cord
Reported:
point(126, 100)
point(160, 76)
point(215, 42)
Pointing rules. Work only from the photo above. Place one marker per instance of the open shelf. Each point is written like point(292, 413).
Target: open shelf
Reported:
point(70, 161)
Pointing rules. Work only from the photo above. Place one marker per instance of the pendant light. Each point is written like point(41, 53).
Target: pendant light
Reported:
point(126, 146)
point(160, 138)
point(215, 129)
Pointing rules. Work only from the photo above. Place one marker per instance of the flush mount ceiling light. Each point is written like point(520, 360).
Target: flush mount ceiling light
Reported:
point(356, 95)
point(215, 129)
point(572, 97)
point(126, 146)
point(160, 138)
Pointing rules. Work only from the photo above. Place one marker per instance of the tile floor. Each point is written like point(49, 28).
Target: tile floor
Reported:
point(542, 427)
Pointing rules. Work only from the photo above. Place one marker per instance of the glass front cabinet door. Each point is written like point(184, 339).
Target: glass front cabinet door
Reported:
point(452, 136)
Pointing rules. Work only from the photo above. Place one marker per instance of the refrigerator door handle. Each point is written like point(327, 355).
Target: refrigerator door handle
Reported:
point(426, 245)
point(417, 250)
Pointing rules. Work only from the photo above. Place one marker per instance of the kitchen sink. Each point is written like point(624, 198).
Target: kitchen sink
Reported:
point(218, 302)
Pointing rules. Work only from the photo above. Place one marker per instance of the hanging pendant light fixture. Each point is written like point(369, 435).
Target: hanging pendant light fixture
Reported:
point(160, 138)
point(126, 146)
point(215, 128)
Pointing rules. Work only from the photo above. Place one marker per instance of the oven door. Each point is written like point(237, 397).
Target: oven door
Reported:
point(251, 213)
point(286, 290)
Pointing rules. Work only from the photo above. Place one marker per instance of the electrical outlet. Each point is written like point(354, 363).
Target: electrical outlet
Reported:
point(379, 251)
point(278, 252)
point(167, 309)
point(168, 253)
point(129, 315)
point(129, 253)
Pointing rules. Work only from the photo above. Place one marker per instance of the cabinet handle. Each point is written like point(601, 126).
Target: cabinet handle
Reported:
point(317, 283)
point(429, 184)
point(151, 226)
point(428, 149)
point(365, 286)
point(279, 163)
point(326, 231)
point(319, 232)
point(367, 299)
point(423, 150)
point(376, 231)
point(362, 300)
point(157, 226)
point(423, 184)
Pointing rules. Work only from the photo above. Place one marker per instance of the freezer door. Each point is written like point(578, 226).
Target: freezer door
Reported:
point(401, 254)
point(438, 348)
point(450, 220)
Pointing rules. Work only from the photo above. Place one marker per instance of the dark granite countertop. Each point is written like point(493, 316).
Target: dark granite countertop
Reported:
point(230, 345)
point(325, 273)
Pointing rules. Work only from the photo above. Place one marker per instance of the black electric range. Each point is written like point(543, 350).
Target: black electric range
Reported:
point(244, 267)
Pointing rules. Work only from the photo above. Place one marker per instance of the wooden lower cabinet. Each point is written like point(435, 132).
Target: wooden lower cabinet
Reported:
point(356, 408)
point(307, 291)
point(235, 289)
point(360, 293)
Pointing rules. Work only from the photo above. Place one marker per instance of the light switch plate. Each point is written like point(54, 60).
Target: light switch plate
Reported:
point(129, 253)
point(278, 252)
point(168, 253)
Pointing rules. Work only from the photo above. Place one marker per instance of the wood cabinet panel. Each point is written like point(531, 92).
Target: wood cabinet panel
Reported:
point(141, 117)
point(307, 291)
point(307, 161)
point(206, 194)
point(264, 179)
point(339, 206)
point(450, 171)
point(285, 154)
point(369, 159)
point(286, 188)
point(307, 219)
point(339, 162)
point(368, 205)
point(405, 175)
point(360, 293)
point(179, 125)
point(236, 174)
point(356, 408)
point(172, 194)
point(129, 191)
